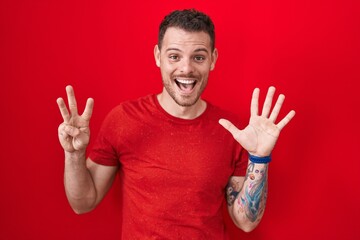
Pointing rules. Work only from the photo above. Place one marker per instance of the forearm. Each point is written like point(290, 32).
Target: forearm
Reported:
point(247, 203)
point(79, 186)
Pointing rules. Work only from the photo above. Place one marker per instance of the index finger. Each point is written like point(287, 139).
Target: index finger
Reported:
point(71, 100)
point(63, 110)
point(254, 107)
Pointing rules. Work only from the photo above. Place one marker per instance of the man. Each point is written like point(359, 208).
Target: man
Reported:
point(175, 159)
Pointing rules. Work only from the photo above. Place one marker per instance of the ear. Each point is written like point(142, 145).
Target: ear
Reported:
point(214, 57)
point(157, 55)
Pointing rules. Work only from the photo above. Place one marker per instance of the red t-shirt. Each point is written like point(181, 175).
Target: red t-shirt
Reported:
point(174, 171)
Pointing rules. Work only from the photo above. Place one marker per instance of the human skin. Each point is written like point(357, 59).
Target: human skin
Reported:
point(187, 57)
point(86, 182)
point(185, 60)
point(246, 197)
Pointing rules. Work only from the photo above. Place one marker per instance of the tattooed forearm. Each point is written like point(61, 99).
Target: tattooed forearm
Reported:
point(252, 199)
point(247, 197)
point(232, 190)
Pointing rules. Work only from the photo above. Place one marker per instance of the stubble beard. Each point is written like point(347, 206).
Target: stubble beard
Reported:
point(184, 101)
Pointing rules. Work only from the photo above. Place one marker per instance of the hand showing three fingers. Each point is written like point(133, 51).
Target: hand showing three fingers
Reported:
point(74, 132)
point(260, 136)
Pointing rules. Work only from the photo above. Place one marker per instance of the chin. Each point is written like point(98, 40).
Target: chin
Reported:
point(183, 102)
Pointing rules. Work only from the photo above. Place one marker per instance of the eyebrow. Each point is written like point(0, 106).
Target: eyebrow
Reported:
point(201, 50)
point(196, 50)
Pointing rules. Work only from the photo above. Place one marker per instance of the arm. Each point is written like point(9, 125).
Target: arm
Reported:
point(247, 196)
point(86, 182)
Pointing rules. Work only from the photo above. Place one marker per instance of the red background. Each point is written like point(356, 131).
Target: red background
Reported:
point(308, 49)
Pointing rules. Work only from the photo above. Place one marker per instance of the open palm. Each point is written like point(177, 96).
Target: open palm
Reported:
point(260, 136)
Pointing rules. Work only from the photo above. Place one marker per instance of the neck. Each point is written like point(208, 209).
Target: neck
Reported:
point(183, 112)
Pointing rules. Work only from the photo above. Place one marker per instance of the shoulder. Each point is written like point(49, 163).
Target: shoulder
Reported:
point(128, 115)
point(133, 107)
point(217, 112)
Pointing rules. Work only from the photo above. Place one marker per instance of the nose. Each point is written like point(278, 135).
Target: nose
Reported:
point(186, 66)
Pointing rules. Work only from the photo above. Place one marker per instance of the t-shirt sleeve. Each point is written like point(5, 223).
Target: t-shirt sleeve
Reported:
point(241, 155)
point(104, 151)
point(241, 163)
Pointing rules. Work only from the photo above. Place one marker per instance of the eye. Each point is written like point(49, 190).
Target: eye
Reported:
point(174, 57)
point(199, 58)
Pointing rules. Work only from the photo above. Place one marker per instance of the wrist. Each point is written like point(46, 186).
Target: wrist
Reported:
point(259, 159)
point(75, 156)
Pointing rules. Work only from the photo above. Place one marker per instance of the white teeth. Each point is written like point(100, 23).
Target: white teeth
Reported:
point(185, 81)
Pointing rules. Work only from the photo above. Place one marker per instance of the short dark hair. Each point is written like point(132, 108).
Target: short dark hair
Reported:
point(189, 20)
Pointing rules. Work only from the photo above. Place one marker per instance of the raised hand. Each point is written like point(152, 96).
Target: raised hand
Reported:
point(260, 136)
point(74, 132)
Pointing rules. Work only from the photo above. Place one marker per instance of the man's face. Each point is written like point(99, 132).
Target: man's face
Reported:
point(185, 60)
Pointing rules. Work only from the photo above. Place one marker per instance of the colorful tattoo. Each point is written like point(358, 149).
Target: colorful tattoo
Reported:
point(254, 197)
point(232, 190)
point(250, 196)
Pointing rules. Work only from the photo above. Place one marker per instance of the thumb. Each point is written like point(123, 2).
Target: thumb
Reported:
point(72, 131)
point(230, 127)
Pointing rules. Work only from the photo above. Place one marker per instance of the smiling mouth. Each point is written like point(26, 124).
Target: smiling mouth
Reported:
point(185, 85)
